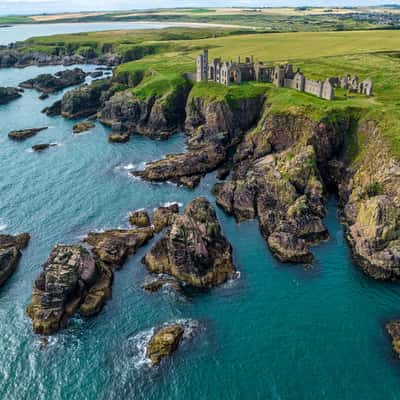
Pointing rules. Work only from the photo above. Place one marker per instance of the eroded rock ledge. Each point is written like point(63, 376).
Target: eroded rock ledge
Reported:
point(71, 280)
point(10, 253)
point(194, 250)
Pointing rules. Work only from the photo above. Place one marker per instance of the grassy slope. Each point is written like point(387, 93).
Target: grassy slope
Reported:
point(319, 55)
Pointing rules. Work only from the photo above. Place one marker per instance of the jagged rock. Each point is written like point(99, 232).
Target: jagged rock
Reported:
point(118, 137)
point(53, 110)
point(285, 192)
point(8, 94)
point(71, 280)
point(42, 146)
point(96, 74)
point(393, 329)
point(83, 126)
point(48, 83)
point(43, 96)
point(214, 128)
point(155, 284)
point(164, 216)
point(164, 342)
point(10, 253)
point(139, 218)
point(85, 100)
point(370, 194)
point(25, 133)
point(155, 117)
point(112, 247)
point(194, 250)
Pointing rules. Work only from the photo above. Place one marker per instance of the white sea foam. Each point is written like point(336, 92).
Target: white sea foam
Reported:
point(171, 203)
point(139, 343)
point(132, 167)
point(3, 226)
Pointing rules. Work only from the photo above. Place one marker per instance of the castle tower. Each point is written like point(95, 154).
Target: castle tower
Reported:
point(202, 67)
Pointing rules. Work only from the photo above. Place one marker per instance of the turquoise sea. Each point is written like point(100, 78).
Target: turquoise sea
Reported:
point(278, 332)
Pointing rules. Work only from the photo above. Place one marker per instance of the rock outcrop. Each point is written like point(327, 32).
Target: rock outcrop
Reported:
point(118, 137)
point(47, 83)
point(393, 328)
point(71, 280)
point(164, 216)
point(139, 218)
point(155, 117)
point(83, 126)
point(164, 342)
point(370, 196)
point(10, 253)
point(114, 246)
point(8, 94)
point(214, 127)
point(86, 100)
point(53, 110)
point(194, 250)
point(42, 146)
point(25, 133)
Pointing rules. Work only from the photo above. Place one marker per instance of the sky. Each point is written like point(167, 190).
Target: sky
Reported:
point(9, 7)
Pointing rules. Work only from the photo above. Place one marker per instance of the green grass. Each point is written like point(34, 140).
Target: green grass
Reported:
point(15, 20)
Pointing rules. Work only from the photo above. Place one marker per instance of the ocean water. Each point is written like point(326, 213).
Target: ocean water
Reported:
point(279, 332)
point(16, 33)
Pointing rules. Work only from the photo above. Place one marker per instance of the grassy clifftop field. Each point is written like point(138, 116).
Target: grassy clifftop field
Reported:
point(162, 61)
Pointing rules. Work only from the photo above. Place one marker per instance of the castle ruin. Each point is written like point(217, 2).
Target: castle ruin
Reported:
point(231, 72)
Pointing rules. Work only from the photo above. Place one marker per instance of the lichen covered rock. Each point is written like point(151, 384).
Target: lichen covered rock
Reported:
point(71, 280)
point(139, 218)
point(114, 246)
point(10, 253)
point(164, 216)
point(194, 250)
point(163, 343)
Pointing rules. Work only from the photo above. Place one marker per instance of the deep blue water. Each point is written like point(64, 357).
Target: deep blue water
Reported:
point(279, 332)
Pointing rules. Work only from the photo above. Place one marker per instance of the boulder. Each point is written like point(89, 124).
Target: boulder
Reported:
point(139, 218)
point(10, 253)
point(114, 246)
point(71, 280)
point(194, 250)
point(25, 133)
point(164, 342)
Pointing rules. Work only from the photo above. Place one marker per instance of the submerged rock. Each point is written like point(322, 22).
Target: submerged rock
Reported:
point(194, 250)
point(164, 342)
point(8, 94)
point(44, 96)
point(25, 133)
point(114, 246)
point(139, 218)
point(48, 83)
point(83, 126)
point(71, 280)
point(10, 253)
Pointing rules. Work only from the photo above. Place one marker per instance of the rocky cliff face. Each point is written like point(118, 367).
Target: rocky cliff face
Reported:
point(194, 249)
point(10, 253)
point(213, 128)
point(278, 177)
point(71, 280)
point(8, 94)
point(86, 100)
point(370, 195)
point(157, 116)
